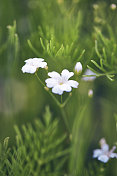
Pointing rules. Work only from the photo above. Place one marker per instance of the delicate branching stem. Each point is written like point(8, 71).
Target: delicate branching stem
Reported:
point(65, 102)
point(60, 105)
point(54, 98)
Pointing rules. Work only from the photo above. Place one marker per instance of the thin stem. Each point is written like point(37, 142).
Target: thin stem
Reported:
point(54, 98)
point(65, 119)
point(61, 99)
point(65, 102)
point(59, 104)
point(39, 79)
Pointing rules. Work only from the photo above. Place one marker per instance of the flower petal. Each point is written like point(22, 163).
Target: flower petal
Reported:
point(42, 64)
point(97, 153)
point(57, 90)
point(89, 72)
point(50, 82)
point(105, 147)
point(28, 69)
point(66, 74)
point(113, 155)
point(73, 83)
point(28, 61)
point(54, 74)
point(66, 87)
point(103, 158)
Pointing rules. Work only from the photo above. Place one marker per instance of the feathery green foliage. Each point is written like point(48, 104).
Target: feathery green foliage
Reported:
point(39, 150)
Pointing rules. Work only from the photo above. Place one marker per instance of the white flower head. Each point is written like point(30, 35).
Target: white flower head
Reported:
point(104, 154)
point(78, 68)
point(32, 64)
point(113, 6)
point(88, 72)
point(60, 83)
point(90, 93)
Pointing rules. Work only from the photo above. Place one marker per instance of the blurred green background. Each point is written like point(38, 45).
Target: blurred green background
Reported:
point(22, 98)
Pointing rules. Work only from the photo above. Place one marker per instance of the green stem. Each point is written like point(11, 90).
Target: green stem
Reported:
point(39, 79)
point(65, 119)
point(65, 102)
point(54, 98)
point(61, 99)
point(60, 105)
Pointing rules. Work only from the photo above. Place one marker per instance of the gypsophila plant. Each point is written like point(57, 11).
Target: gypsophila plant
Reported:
point(69, 50)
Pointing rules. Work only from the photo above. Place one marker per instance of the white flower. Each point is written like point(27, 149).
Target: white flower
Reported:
point(113, 6)
point(90, 93)
point(89, 72)
point(78, 68)
point(33, 64)
point(60, 83)
point(104, 154)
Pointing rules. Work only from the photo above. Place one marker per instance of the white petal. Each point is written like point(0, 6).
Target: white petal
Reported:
point(97, 153)
point(113, 155)
point(38, 59)
point(34, 60)
point(66, 74)
point(105, 147)
point(65, 87)
point(73, 83)
point(89, 72)
point(89, 78)
point(54, 74)
point(28, 69)
point(42, 64)
point(103, 158)
point(51, 82)
point(57, 90)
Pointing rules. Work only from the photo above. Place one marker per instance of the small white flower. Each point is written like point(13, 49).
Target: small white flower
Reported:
point(60, 83)
point(91, 78)
point(113, 6)
point(90, 93)
point(33, 64)
point(78, 68)
point(104, 154)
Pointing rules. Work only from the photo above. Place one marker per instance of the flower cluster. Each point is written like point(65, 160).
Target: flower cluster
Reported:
point(58, 82)
point(104, 154)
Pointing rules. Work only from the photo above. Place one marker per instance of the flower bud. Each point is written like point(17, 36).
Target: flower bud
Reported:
point(90, 93)
point(70, 94)
point(46, 68)
point(78, 68)
point(46, 88)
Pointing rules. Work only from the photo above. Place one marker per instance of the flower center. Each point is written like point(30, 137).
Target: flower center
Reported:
point(61, 83)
